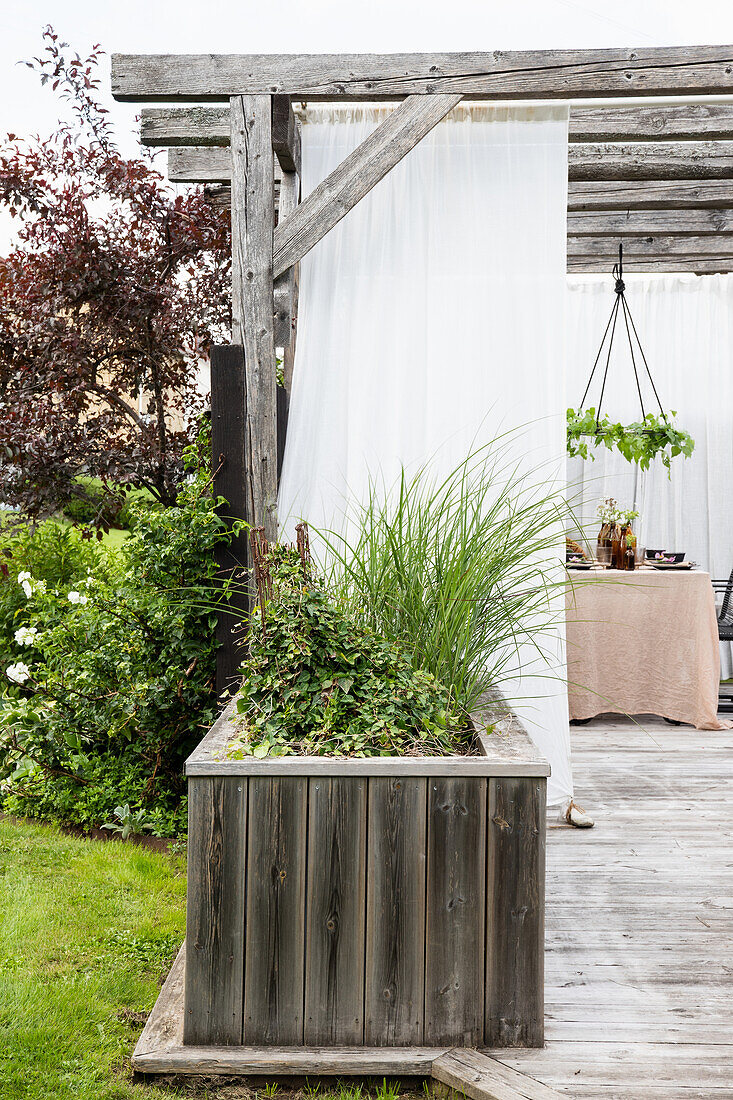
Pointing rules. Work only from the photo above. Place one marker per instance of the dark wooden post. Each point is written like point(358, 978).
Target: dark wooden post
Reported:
point(229, 462)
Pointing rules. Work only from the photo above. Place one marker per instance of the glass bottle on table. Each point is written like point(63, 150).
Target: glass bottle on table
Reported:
point(615, 544)
point(630, 550)
point(621, 552)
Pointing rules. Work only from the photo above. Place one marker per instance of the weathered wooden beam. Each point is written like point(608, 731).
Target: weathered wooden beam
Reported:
point(195, 125)
point(639, 223)
point(711, 247)
point(687, 160)
point(651, 265)
point(356, 175)
point(202, 164)
point(191, 125)
point(651, 160)
point(285, 134)
point(668, 122)
point(542, 74)
point(252, 297)
point(605, 194)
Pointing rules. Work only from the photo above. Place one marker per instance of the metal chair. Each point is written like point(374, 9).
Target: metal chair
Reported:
point(725, 633)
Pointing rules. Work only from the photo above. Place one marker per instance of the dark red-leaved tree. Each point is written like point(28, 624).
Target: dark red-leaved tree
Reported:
point(114, 292)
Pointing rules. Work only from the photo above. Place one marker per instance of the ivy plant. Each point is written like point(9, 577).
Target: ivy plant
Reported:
point(639, 442)
point(316, 682)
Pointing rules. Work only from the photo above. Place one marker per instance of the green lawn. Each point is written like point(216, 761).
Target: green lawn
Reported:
point(87, 929)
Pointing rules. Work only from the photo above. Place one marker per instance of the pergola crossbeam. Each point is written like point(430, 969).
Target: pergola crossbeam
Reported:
point(531, 74)
point(634, 161)
point(196, 125)
point(636, 223)
point(625, 194)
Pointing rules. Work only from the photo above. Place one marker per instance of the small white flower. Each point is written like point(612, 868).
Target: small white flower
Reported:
point(76, 597)
point(26, 585)
point(26, 635)
point(23, 577)
point(18, 673)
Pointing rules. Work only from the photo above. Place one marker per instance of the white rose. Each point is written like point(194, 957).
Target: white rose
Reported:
point(26, 635)
point(18, 673)
point(76, 597)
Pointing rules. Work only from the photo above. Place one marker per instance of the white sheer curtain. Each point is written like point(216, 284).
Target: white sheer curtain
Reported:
point(431, 317)
point(685, 323)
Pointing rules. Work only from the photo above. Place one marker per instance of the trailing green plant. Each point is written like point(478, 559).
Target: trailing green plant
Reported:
point(459, 571)
point(115, 666)
point(639, 442)
point(316, 682)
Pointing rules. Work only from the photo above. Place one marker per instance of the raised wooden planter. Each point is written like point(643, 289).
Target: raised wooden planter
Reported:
point(393, 902)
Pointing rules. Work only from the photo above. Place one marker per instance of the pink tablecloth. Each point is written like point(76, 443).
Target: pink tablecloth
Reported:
point(643, 643)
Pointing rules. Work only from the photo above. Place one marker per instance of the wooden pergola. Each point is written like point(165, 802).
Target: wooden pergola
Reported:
point(660, 177)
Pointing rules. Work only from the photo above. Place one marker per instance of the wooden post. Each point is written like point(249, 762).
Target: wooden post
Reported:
point(252, 299)
point(229, 461)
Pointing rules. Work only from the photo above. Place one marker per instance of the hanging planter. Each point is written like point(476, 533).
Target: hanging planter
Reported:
point(654, 434)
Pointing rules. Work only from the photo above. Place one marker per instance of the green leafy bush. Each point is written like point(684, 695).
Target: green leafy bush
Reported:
point(316, 682)
point(111, 681)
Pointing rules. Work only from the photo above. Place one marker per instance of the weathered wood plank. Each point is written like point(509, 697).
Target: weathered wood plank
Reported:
point(229, 464)
point(654, 245)
point(515, 913)
point(541, 74)
point(334, 945)
point(456, 911)
point(286, 285)
point(661, 122)
point(285, 134)
point(480, 1077)
point(596, 162)
point(196, 125)
point(276, 864)
point(252, 298)
point(460, 766)
point(292, 1061)
point(651, 160)
point(603, 195)
point(192, 125)
point(625, 194)
point(639, 223)
point(395, 930)
point(591, 265)
point(164, 1026)
point(202, 164)
point(356, 176)
point(217, 830)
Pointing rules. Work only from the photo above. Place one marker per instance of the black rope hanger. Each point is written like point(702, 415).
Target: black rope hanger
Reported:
point(620, 305)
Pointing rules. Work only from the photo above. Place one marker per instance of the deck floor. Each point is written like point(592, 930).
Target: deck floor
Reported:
point(639, 966)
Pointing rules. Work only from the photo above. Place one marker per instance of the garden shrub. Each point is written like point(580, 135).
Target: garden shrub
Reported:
point(110, 681)
point(314, 681)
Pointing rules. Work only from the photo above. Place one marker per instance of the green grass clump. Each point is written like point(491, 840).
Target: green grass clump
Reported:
point(461, 570)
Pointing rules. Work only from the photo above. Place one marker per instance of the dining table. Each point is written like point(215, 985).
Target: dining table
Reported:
point(643, 642)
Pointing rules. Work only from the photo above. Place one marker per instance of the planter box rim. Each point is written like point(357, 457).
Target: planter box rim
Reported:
point(507, 751)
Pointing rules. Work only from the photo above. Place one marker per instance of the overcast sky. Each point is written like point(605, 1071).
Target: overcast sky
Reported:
point(323, 26)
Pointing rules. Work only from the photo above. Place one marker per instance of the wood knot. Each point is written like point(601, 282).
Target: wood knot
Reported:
point(500, 822)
